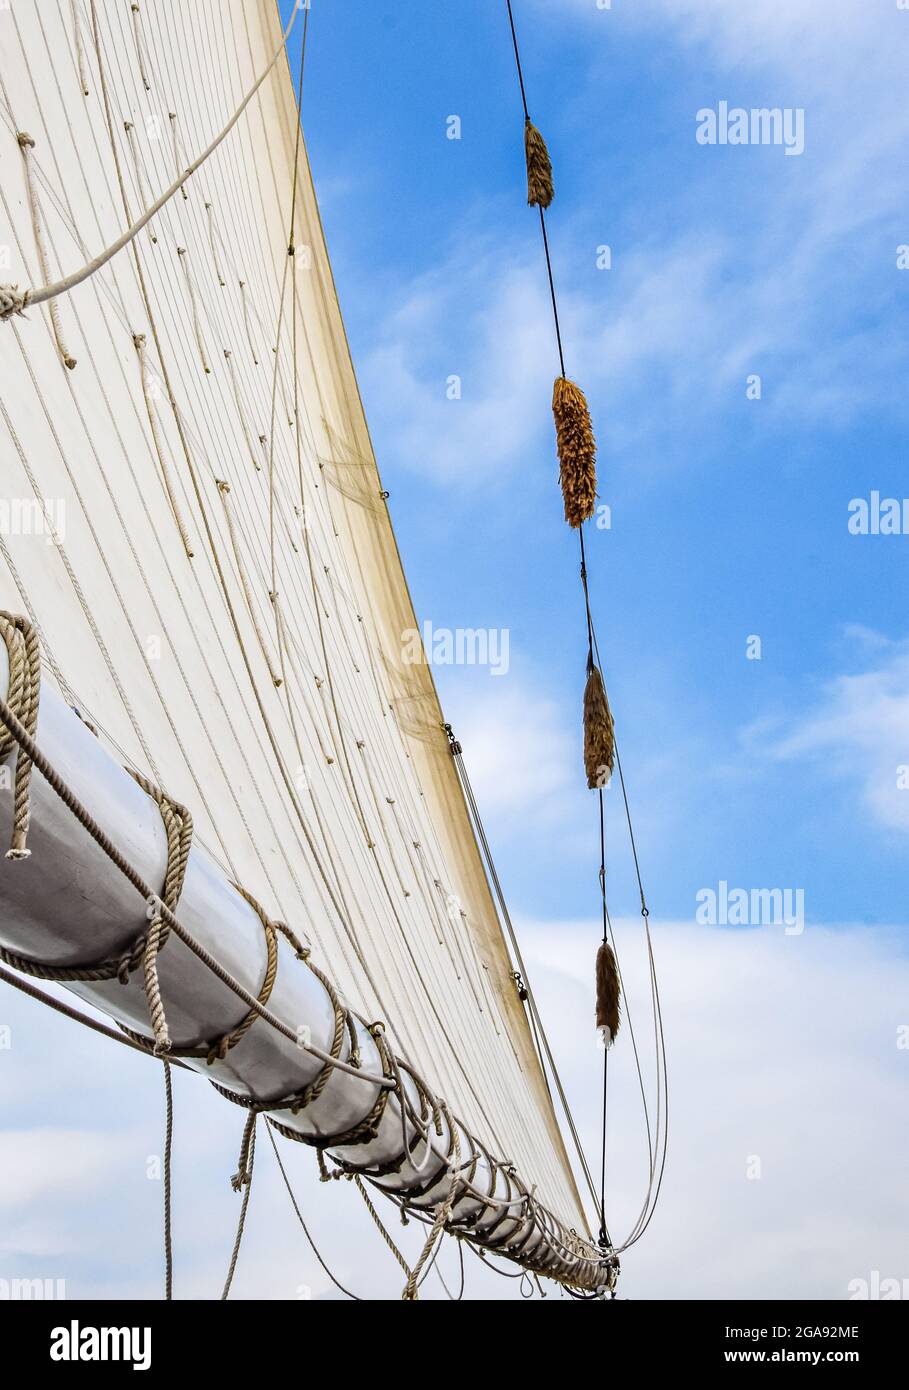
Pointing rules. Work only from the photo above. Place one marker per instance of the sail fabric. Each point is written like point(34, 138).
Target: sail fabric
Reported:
point(263, 682)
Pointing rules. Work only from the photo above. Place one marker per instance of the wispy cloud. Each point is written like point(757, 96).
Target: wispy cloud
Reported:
point(859, 728)
point(778, 268)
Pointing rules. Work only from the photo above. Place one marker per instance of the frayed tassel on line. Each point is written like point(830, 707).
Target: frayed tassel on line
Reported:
point(607, 994)
point(577, 449)
point(540, 191)
point(599, 732)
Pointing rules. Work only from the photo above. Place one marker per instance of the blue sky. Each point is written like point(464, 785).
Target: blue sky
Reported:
point(729, 520)
point(729, 515)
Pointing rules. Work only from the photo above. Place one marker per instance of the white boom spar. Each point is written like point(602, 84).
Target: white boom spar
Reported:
point(68, 904)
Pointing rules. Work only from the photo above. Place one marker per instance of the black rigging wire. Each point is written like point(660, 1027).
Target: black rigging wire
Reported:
point(593, 651)
point(299, 1215)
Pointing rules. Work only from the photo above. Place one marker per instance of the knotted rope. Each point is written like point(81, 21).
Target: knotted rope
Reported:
point(24, 655)
point(443, 1211)
point(13, 301)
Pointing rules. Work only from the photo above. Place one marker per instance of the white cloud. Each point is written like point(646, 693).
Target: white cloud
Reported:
point(777, 268)
point(43, 1164)
point(523, 761)
point(780, 1048)
point(761, 33)
point(764, 33)
point(860, 728)
point(500, 352)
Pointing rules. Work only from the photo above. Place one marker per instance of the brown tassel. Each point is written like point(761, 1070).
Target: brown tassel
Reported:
point(599, 732)
point(577, 451)
point(607, 994)
point(540, 191)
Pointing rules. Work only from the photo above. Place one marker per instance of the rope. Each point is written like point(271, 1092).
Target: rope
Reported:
point(140, 47)
point(12, 301)
point(24, 655)
point(179, 161)
point(168, 1183)
point(137, 1044)
point(194, 309)
point(358, 1183)
point(512, 935)
point(247, 324)
point(299, 1215)
point(26, 145)
point(214, 244)
point(139, 340)
point(229, 359)
point(140, 173)
point(442, 1214)
point(242, 1180)
point(178, 828)
point(224, 490)
point(80, 51)
point(454, 1298)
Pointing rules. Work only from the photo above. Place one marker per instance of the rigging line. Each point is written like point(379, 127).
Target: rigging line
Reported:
point(289, 264)
point(485, 1260)
point(657, 1013)
point(604, 1235)
point(18, 302)
point(472, 804)
point(168, 1184)
point(245, 1179)
point(552, 292)
point(25, 987)
point(358, 1183)
point(659, 1032)
point(290, 1192)
point(80, 50)
point(454, 1298)
point(517, 58)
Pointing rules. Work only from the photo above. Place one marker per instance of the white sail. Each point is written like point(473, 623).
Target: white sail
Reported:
point(264, 681)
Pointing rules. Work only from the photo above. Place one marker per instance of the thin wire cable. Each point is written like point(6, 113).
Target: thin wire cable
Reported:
point(299, 1215)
